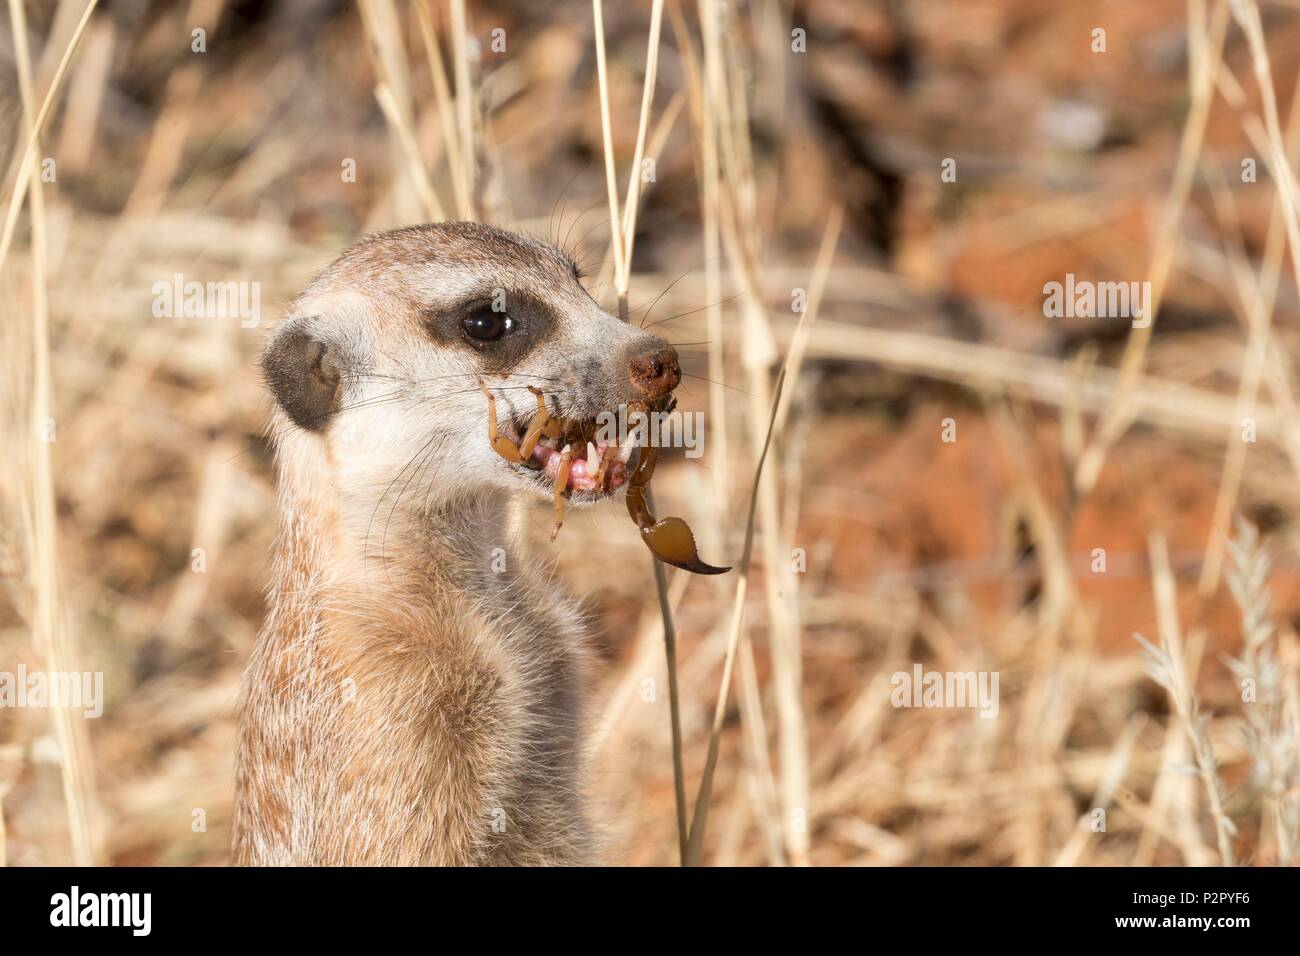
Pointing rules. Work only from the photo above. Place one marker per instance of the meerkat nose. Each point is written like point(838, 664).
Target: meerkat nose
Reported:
point(655, 373)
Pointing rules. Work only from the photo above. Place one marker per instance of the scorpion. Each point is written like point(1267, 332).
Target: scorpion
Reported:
point(548, 445)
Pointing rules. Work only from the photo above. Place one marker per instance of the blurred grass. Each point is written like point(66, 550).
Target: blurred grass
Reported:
point(981, 554)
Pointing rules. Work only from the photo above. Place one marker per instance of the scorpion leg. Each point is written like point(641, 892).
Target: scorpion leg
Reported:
point(561, 482)
point(537, 427)
point(501, 444)
point(611, 452)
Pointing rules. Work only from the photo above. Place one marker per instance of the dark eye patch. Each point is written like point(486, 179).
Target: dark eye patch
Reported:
point(525, 323)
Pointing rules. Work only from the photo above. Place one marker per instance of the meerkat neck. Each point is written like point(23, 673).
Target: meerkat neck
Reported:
point(383, 543)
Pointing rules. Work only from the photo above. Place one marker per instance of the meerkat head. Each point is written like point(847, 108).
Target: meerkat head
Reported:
point(384, 357)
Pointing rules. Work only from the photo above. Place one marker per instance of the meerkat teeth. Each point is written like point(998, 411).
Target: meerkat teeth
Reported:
point(593, 458)
point(625, 452)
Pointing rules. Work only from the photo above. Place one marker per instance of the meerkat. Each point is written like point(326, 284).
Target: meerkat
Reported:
point(415, 693)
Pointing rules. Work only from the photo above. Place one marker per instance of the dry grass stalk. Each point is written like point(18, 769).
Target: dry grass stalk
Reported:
point(1280, 150)
point(758, 764)
point(86, 94)
point(700, 817)
point(1074, 853)
point(1165, 666)
point(1270, 732)
point(1246, 12)
point(630, 205)
point(1274, 248)
point(384, 29)
point(50, 619)
point(465, 108)
point(392, 92)
point(704, 117)
point(1257, 293)
point(166, 149)
point(741, 234)
point(816, 290)
point(704, 114)
point(789, 367)
point(1206, 45)
point(617, 708)
point(446, 106)
point(411, 152)
point(1164, 403)
point(607, 139)
point(25, 164)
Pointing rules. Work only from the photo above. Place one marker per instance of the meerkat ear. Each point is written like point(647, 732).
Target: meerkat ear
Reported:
point(303, 373)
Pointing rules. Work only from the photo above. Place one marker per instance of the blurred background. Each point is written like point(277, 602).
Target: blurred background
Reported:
point(957, 479)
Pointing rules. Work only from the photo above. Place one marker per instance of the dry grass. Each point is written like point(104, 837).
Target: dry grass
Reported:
point(865, 544)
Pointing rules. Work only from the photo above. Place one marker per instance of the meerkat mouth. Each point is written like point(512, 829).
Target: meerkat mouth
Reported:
point(584, 466)
point(588, 454)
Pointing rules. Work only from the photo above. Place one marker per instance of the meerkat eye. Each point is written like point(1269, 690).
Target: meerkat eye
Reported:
point(486, 325)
